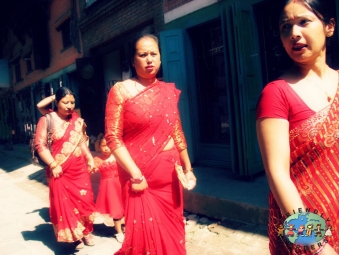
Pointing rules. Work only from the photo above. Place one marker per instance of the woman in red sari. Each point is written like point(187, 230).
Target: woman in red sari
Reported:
point(69, 160)
point(143, 130)
point(297, 128)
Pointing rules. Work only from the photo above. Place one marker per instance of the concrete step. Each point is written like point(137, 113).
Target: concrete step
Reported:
point(219, 194)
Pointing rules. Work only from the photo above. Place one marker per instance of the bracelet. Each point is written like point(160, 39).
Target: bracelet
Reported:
point(53, 165)
point(188, 170)
point(137, 180)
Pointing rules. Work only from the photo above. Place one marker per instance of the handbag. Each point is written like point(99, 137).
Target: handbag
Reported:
point(181, 176)
point(36, 160)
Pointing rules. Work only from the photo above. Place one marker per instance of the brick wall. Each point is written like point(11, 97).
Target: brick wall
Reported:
point(172, 4)
point(60, 57)
point(105, 20)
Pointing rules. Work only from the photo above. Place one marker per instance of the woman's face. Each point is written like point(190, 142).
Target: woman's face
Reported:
point(147, 58)
point(66, 105)
point(302, 33)
point(105, 150)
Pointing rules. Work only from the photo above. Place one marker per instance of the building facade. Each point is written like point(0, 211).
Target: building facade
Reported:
point(220, 54)
point(40, 44)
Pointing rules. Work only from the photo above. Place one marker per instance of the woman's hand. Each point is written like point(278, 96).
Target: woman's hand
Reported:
point(56, 172)
point(138, 187)
point(191, 179)
point(91, 167)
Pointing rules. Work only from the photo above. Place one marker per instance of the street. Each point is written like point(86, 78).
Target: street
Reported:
point(25, 227)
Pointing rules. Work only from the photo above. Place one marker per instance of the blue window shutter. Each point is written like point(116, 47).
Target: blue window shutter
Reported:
point(174, 67)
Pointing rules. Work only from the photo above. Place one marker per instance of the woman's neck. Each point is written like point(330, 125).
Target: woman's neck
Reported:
point(146, 82)
point(63, 117)
point(317, 69)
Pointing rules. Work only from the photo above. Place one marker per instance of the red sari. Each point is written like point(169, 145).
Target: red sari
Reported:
point(71, 197)
point(144, 124)
point(315, 172)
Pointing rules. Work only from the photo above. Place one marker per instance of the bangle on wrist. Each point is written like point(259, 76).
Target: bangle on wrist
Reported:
point(53, 165)
point(137, 180)
point(188, 170)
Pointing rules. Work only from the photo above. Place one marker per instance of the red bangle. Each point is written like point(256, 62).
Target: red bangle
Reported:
point(137, 180)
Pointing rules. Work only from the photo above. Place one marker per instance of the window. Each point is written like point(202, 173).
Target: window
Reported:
point(65, 29)
point(17, 70)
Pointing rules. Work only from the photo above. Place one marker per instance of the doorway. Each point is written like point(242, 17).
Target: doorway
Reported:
point(211, 109)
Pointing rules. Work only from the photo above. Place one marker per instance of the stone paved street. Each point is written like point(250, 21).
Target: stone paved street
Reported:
point(25, 227)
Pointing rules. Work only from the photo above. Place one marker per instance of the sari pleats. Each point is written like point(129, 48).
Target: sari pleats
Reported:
point(154, 218)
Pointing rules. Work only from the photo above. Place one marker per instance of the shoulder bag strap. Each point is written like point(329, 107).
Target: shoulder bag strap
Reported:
point(49, 120)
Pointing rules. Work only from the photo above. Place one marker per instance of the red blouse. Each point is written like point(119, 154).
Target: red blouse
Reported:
point(279, 100)
point(117, 123)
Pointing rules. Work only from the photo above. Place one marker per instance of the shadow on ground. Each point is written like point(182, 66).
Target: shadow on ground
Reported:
point(44, 233)
point(10, 164)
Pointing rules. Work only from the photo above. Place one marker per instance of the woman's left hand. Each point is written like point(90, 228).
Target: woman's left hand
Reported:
point(191, 179)
point(138, 187)
point(91, 167)
point(57, 171)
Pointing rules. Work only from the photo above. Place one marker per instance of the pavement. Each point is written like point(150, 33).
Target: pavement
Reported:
point(224, 215)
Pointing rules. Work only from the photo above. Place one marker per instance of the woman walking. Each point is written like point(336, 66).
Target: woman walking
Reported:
point(68, 161)
point(143, 130)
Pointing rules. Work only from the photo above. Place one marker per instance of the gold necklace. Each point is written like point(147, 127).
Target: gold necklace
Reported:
point(329, 98)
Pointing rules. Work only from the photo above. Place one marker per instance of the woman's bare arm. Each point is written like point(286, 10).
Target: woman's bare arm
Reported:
point(273, 137)
point(125, 160)
point(42, 105)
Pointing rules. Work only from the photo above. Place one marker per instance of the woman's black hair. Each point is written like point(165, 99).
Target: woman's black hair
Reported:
point(135, 41)
point(323, 9)
point(61, 93)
